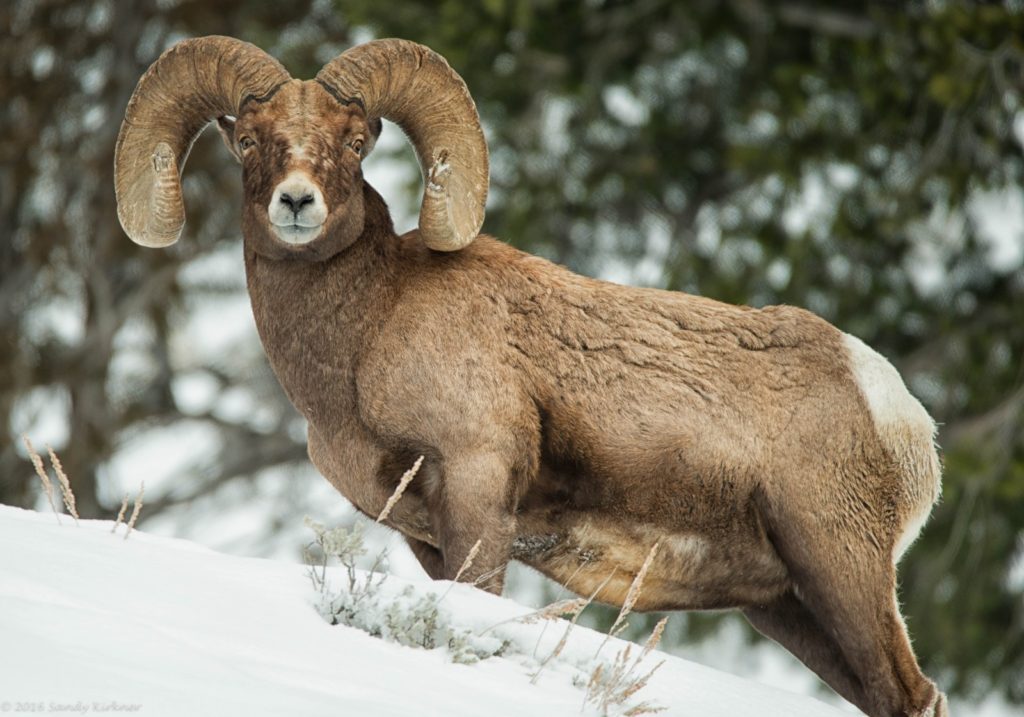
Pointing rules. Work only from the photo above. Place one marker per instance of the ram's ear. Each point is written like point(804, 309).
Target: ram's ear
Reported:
point(226, 127)
point(375, 125)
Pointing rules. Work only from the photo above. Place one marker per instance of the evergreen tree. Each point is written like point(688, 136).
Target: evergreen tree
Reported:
point(853, 158)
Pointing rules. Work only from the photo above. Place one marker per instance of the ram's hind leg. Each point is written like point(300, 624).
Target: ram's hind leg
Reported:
point(788, 621)
point(848, 583)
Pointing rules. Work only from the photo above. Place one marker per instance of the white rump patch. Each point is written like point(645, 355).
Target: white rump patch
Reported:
point(905, 428)
point(887, 396)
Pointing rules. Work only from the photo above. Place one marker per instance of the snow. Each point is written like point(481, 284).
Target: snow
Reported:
point(151, 625)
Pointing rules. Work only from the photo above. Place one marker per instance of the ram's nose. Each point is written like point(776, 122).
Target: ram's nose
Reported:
point(297, 202)
point(297, 210)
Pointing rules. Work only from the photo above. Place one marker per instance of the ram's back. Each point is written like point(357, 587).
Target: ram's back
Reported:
point(632, 370)
point(628, 385)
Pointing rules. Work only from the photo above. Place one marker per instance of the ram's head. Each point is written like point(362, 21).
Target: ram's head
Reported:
point(300, 143)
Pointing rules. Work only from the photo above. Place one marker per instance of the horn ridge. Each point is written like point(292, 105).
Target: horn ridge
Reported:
point(416, 88)
point(190, 84)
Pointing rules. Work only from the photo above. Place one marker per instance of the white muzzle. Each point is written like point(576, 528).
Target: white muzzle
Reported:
point(297, 210)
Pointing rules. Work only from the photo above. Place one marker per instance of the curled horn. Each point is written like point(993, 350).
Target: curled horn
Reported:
point(192, 83)
point(415, 87)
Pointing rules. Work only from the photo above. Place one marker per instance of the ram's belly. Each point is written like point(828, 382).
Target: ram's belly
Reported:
point(602, 557)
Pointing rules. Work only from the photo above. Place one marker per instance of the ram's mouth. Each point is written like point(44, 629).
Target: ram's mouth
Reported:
point(297, 233)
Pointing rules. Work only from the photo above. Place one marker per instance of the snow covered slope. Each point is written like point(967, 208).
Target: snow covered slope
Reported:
point(92, 623)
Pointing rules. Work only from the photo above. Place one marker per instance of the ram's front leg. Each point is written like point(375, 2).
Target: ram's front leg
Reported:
point(476, 505)
point(429, 557)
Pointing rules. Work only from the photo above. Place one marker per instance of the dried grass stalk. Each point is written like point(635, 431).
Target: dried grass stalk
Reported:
point(581, 606)
point(120, 513)
point(632, 595)
point(554, 653)
point(484, 578)
point(37, 463)
point(655, 638)
point(65, 484)
point(595, 678)
point(468, 562)
point(403, 483)
point(136, 509)
point(638, 684)
point(644, 708)
point(553, 611)
point(616, 685)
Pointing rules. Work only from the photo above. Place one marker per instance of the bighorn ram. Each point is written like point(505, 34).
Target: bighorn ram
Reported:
point(780, 464)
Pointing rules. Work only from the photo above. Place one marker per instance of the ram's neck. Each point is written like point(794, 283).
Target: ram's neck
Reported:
point(314, 318)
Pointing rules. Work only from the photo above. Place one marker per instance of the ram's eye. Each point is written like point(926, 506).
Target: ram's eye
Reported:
point(356, 145)
point(246, 142)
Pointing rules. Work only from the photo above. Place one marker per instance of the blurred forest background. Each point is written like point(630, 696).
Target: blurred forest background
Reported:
point(861, 160)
